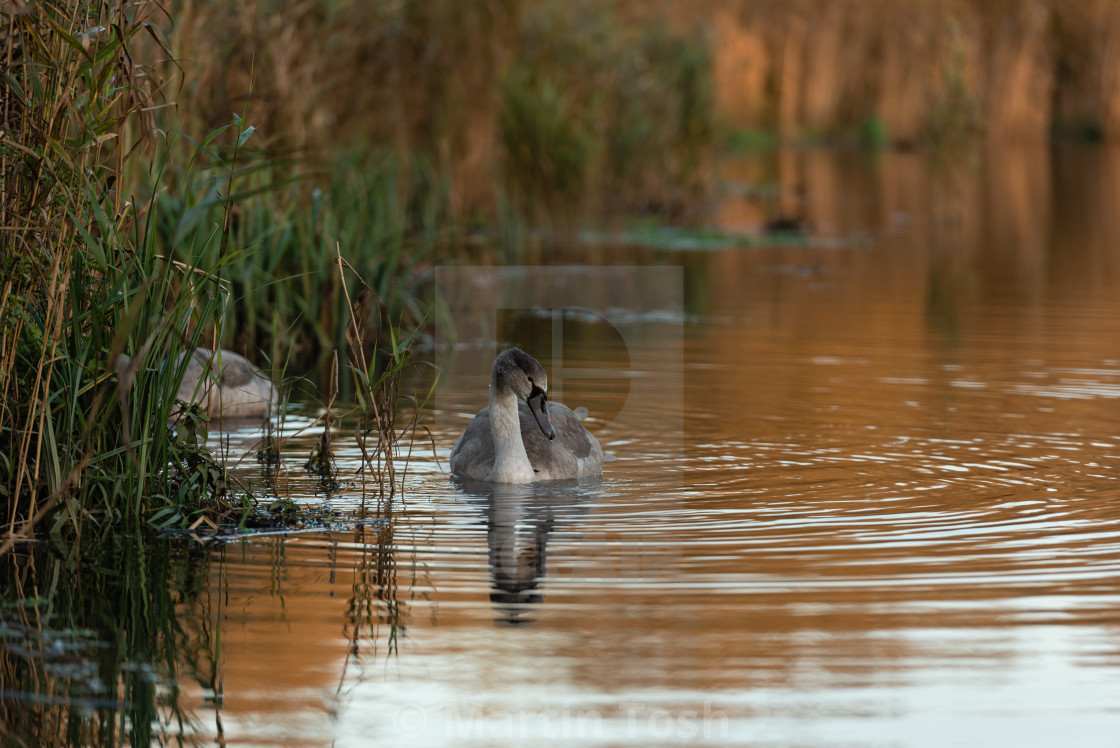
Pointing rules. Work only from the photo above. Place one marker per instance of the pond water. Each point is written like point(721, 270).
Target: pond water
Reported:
point(864, 493)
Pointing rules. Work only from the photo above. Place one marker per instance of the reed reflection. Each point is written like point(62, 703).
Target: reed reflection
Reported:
point(519, 522)
point(96, 652)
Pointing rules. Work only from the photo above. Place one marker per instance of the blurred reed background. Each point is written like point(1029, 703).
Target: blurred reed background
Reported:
point(507, 95)
point(525, 104)
point(913, 72)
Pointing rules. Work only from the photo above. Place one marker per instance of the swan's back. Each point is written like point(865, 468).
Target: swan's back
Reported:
point(574, 453)
point(237, 391)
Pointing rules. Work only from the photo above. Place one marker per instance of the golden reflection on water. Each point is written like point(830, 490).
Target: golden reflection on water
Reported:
point(892, 516)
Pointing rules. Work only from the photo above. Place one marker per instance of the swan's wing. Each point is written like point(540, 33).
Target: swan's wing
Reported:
point(574, 452)
point(473, 455)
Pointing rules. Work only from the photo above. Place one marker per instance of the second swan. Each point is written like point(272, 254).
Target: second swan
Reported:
point(520, 437)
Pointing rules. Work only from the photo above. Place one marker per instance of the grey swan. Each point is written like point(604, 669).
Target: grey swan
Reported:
point(235, 389)
point(231, 389)
point(520, 437)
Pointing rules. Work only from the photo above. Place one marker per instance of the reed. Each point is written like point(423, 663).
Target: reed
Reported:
point(530, 105)
point(608, 110)
point(90, 658)
point(288, 217)
point(543, 110)
point(124, 239)
point(377, 365)
point(82, 278)
point(931, 71)
point(331, 78)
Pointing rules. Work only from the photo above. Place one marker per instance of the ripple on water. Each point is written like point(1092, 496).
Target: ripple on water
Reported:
point(853, 535)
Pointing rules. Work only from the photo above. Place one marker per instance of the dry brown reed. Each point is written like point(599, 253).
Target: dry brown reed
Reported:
point(75, 104)
point(433, 79)
point(927, 70)
point(414, 77)
point(608, 87)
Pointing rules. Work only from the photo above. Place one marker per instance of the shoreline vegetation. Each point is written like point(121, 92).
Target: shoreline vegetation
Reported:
point(238, 174)
point(919, 72)
point(280, 178)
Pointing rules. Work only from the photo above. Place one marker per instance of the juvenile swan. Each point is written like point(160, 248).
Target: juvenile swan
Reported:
point(232, 390)
point(519, 437)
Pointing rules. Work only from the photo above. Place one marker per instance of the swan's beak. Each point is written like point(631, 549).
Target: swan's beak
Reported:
point(538, 404)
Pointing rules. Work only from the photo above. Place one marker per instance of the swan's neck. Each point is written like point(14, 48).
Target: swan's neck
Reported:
point(511, 464)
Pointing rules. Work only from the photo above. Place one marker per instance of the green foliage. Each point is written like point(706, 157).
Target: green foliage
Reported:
point(104, 291)
point(744, 139)
point(285, 234)
point(872, 133)
point(953, 117)
point(546, 144)
point(1081, 130)
point(606, 111)
point(81, 278)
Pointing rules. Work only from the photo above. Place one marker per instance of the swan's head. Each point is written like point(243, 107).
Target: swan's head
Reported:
point(527, 378)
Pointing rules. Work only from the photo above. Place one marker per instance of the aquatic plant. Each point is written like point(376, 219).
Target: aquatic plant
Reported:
point(606, 109)
point(85, 438)
point(288, 219)
point(929, 71)
point(82, 280)
point(378, 357)
point(90, 658)
point(216, 244)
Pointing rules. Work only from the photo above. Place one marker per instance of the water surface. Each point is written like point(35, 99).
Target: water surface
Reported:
point(869, 498)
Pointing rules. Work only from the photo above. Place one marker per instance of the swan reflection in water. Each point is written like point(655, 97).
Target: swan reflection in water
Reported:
point(520, 519)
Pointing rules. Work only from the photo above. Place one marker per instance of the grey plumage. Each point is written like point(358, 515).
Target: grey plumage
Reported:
point(233, 390)
point(518, 381)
